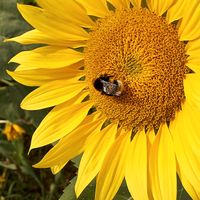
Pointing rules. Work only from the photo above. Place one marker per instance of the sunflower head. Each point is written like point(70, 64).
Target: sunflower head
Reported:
point(122, 77)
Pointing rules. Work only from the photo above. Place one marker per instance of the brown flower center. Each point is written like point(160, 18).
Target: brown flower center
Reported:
point(143, 51)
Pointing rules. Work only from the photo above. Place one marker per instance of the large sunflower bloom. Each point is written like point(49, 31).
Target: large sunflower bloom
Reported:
point(149, 131)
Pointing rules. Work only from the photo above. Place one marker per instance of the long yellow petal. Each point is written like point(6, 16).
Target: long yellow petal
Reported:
point(185, 131)
point(119, 4)
point(193, 67)
point(177, 11)
point(190, 25)
point(38, 77)
point(37, 37)
point(137, 3)
point(95, 7)
point(75, 66)
point(97, 147)
point(187, 185)
point(59, 122)
point(52, 26)
point(136, 169)
point(48, 57)
point(193, 49)
point(160, 7)
point(70, 146)
point(57, 168)
point(112, 172)
point(68, 10)
point(162, 166)
point(192, 91)
point(52, 93)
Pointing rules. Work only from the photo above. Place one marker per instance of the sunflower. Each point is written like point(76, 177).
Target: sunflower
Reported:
point(123, 79)
point(12, 131)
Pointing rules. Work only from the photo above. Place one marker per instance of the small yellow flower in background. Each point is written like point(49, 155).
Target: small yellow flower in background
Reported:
point(13, 131)
point(141, 69)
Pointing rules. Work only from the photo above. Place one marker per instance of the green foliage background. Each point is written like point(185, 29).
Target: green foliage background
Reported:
point(18, 180)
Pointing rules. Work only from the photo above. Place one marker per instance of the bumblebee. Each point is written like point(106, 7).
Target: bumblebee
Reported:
point(106, 85)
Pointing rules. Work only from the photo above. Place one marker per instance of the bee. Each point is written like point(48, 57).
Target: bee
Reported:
point(106, 85)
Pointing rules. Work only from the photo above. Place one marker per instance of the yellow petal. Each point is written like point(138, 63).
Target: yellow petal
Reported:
point(97, 147)
point(75, 66)
point(52, 93)
point(151, 137)
point(95, 7)
point(192, 89)
point(38, 37)
point(185, 131)
point(38, 77)
point(136, 167)
point(162, 166)
point(193, 48)
point(112, 172)
point(188, 186)
point(60, 121)
point(48, 57)
point(195, 68)
point(190, 25)
point(120, 3)
point(68, 10)
point(137, 3)
point(51, 25)
point(177, 11)
point(160, 7)
point(69, 146)
point(57, 168)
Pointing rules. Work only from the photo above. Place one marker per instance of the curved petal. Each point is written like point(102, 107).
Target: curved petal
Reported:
point(69, 10)
point(38, 77)
point(190, 25)
point(57, 168)
point(160, 7)
point(120, 3)
point(52, 26)
point(136, 167)
point(191, 191)
point(95, 7)
point(60, 121)
point(70, 146)
point(97, 147)
point(112, 172)
point(185, 131)
point(193, 50)
point(177, 11)
point(52, 93)
point(192, 89)
point(38, 37)
point(162, 166)
point(48, 57)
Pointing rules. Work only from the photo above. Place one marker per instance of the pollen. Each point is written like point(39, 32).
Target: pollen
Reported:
point(143, 51)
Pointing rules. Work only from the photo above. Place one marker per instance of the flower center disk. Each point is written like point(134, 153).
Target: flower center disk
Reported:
point(143, 51)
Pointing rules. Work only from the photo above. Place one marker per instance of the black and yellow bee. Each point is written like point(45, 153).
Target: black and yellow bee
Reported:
point(106, 85)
